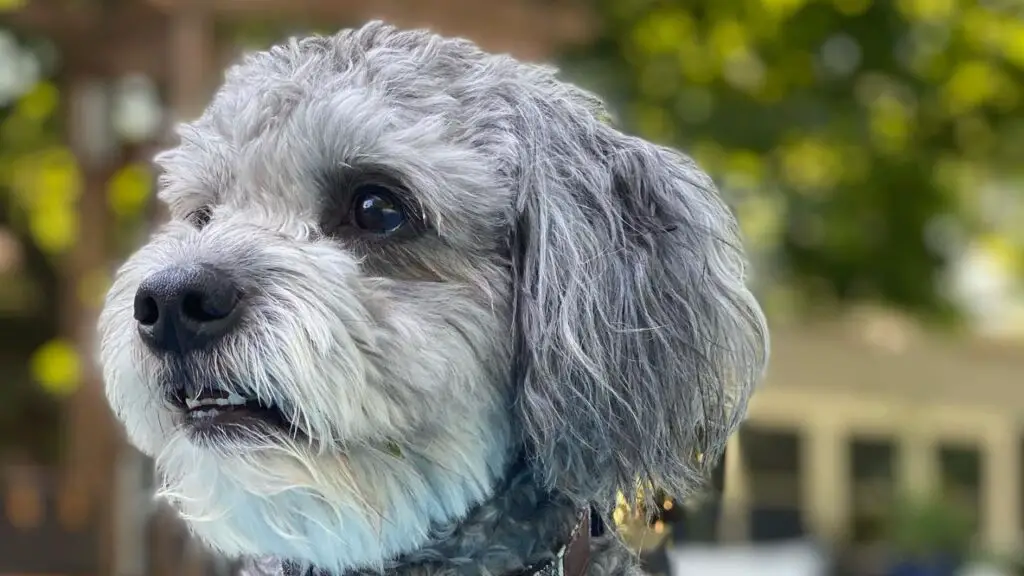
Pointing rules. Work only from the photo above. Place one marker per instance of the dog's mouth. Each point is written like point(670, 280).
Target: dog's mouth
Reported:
point(219, 413)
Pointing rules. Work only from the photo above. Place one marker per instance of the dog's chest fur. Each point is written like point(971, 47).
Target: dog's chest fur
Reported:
point(519, 531)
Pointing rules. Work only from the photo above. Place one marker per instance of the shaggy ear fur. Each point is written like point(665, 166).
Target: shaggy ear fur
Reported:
point(638, 341)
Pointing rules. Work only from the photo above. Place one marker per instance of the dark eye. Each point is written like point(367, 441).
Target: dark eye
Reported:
point(375, 209)
point(199, 218)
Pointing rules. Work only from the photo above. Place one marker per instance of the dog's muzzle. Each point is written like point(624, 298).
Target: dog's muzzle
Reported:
point(181, 311)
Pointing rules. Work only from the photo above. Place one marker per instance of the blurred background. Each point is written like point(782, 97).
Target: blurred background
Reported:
point(873, 150)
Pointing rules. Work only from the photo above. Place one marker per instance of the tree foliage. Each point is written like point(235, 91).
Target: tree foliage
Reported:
point(41, 185)
point(855, 136)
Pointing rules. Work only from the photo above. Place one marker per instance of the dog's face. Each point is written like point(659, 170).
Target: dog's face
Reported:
point(393, 263)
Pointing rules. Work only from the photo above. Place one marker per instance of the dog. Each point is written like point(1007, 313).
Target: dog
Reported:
point(422, 309)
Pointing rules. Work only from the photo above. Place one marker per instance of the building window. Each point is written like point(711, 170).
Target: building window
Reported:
point(873, 487)
point(772, 462)
point(960, 468)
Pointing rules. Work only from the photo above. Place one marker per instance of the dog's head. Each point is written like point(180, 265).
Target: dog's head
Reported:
point(394, 262)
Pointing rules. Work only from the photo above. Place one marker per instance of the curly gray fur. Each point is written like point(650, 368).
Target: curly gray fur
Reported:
point(576, 294)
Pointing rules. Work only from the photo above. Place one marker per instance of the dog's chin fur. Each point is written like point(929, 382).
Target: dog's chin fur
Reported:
point(336, 511)
point(561, 290)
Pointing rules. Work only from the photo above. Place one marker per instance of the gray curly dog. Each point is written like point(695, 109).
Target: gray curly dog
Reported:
point(419, 309)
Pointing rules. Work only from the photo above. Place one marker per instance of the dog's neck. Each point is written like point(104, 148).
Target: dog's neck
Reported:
point(521, 530)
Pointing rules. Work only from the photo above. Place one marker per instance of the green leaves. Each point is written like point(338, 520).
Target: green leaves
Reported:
point(843, 121)
point(925, 526)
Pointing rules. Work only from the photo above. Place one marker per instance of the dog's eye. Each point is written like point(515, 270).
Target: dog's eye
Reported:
point(199, 218)
point(375, 209)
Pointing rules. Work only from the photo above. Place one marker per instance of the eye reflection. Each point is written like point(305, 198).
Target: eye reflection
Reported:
point(375, 209)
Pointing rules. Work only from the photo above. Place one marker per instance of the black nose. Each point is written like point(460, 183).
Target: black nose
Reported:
point(186, 308)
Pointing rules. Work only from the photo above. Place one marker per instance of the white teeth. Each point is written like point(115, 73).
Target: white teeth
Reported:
point(232, 400)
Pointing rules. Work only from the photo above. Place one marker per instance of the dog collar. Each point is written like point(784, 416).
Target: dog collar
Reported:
point(573, 558)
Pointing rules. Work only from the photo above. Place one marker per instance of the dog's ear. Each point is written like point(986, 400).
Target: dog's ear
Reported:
point(638, 342)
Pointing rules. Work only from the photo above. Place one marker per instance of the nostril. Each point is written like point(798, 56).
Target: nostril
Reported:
point(147, 311)
point(200, 307)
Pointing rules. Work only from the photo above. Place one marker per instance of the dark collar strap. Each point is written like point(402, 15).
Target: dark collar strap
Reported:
point(573, 558)
point(576, 554)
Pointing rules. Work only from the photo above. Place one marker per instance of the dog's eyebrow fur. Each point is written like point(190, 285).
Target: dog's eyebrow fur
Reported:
point(196, 172)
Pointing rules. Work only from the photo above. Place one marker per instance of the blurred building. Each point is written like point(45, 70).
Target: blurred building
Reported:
point(856, 413)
